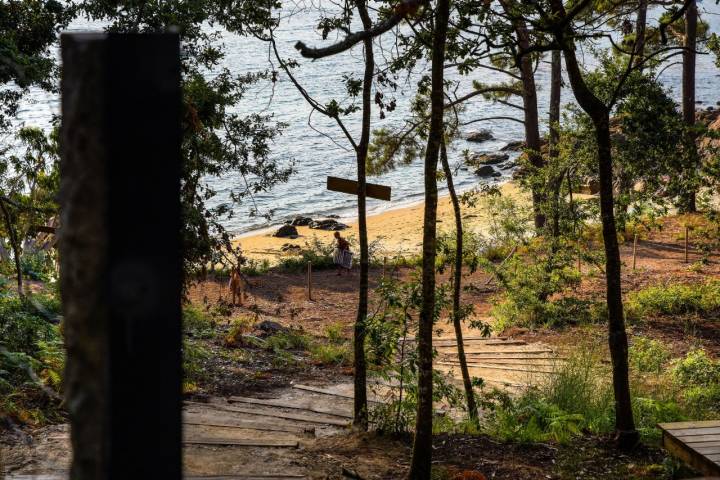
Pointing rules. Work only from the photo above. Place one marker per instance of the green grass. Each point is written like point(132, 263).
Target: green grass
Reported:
point(331, 354)
point(674, 299)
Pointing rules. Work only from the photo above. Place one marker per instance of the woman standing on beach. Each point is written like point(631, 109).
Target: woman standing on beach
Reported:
point(342, 256)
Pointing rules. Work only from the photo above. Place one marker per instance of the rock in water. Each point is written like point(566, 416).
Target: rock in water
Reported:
point(301, 221)
point(487, 158)
point(515, 146)
point(329, 224)
point(487, 171)
point(286, 231)
point(481, 136)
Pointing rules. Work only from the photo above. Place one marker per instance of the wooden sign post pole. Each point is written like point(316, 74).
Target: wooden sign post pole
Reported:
point(687, 235)
point(309, 280)
point(120, 173)
point(635, 251)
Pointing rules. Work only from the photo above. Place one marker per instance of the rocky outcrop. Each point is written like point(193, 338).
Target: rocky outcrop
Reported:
point(286, 231)
point(478, 159)
point(515, 146)
point(328, 224)
point(487, 171)
point(480, 136)
point(300, 221)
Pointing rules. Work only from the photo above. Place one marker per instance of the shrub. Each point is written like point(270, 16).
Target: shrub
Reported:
point(676, 299)
point(334, 333)
point(647, 355)
point(317, 252)
point(698, 376)
point(31, 359)
point(240, 326)
point(198, 322)
point(290, 339)
point(331, 354)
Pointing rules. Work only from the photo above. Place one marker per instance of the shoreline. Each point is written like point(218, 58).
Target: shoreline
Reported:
point(395, 231)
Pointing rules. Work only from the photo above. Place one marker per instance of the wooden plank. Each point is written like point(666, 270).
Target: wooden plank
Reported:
point(495, 367)
point(242, 442)
point(266, 413)
point(453, 343)
point(685, 432)
point(372, 190)
point(707, 465)
point(689, 439)
point(707, 450)
point(279, 403)
point(510, 350)
point(693, 424)
point(254, 426)
point(522, 362)
point(695, 444)
point(325, 391)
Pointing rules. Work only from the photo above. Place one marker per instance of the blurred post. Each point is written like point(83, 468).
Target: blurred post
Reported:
point(309, 280)
point(120, 254)
point(635, 251)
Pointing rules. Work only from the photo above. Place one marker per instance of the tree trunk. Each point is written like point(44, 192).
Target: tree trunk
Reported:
point(422, 448)
point(640, 26)
point(15, 247)
point(688, 203)
point(627, 435)
point(532, 123)
point(360, 419)
point(457, 286)
point(554, 137)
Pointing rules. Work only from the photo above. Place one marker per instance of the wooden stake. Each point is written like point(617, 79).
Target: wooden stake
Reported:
point(579, 264)
point(687, 234)
point(635, 251)
point(309, 280)
point(384, 267)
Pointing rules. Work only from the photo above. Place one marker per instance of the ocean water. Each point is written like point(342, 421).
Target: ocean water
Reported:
point(317, 146)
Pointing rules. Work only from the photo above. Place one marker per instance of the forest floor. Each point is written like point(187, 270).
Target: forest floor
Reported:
point(229, 370)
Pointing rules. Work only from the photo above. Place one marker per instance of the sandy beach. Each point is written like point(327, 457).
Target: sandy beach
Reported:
point(398, 231)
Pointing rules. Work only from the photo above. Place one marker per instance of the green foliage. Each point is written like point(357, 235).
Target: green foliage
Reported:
point(27, 30)
point(290, 339)
point(331, 353)
point(531, 418)
point(647, 355)
point(315, 251)
point(531, 279)
point(195, 359)
point(216, 139)
point(674, 299)
point(698, 376)
point(31, 358)
point(198, 322)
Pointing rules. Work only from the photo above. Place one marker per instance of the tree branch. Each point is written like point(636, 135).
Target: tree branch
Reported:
point(400, 12)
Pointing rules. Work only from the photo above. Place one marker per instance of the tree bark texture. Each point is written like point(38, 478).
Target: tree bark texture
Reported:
point(420, 467)
point(626, 433)
point(457, 286)
point(360, 418)
point(688, 203)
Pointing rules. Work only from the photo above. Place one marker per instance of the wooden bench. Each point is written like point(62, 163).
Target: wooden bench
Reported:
point(695, 443)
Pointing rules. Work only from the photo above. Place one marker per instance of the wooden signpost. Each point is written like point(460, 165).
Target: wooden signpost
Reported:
point(372, 190)
point(122, 288)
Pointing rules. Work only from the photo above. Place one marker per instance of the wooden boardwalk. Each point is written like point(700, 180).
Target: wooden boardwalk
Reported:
point(695, 443)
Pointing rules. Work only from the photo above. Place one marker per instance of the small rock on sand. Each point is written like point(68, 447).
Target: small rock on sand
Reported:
point(300, 221)
point(286, 231)
point(480, 136)
point(329, 224)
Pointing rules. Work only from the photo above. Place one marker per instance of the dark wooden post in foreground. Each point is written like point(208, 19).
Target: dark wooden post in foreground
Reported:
point(120, 254)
